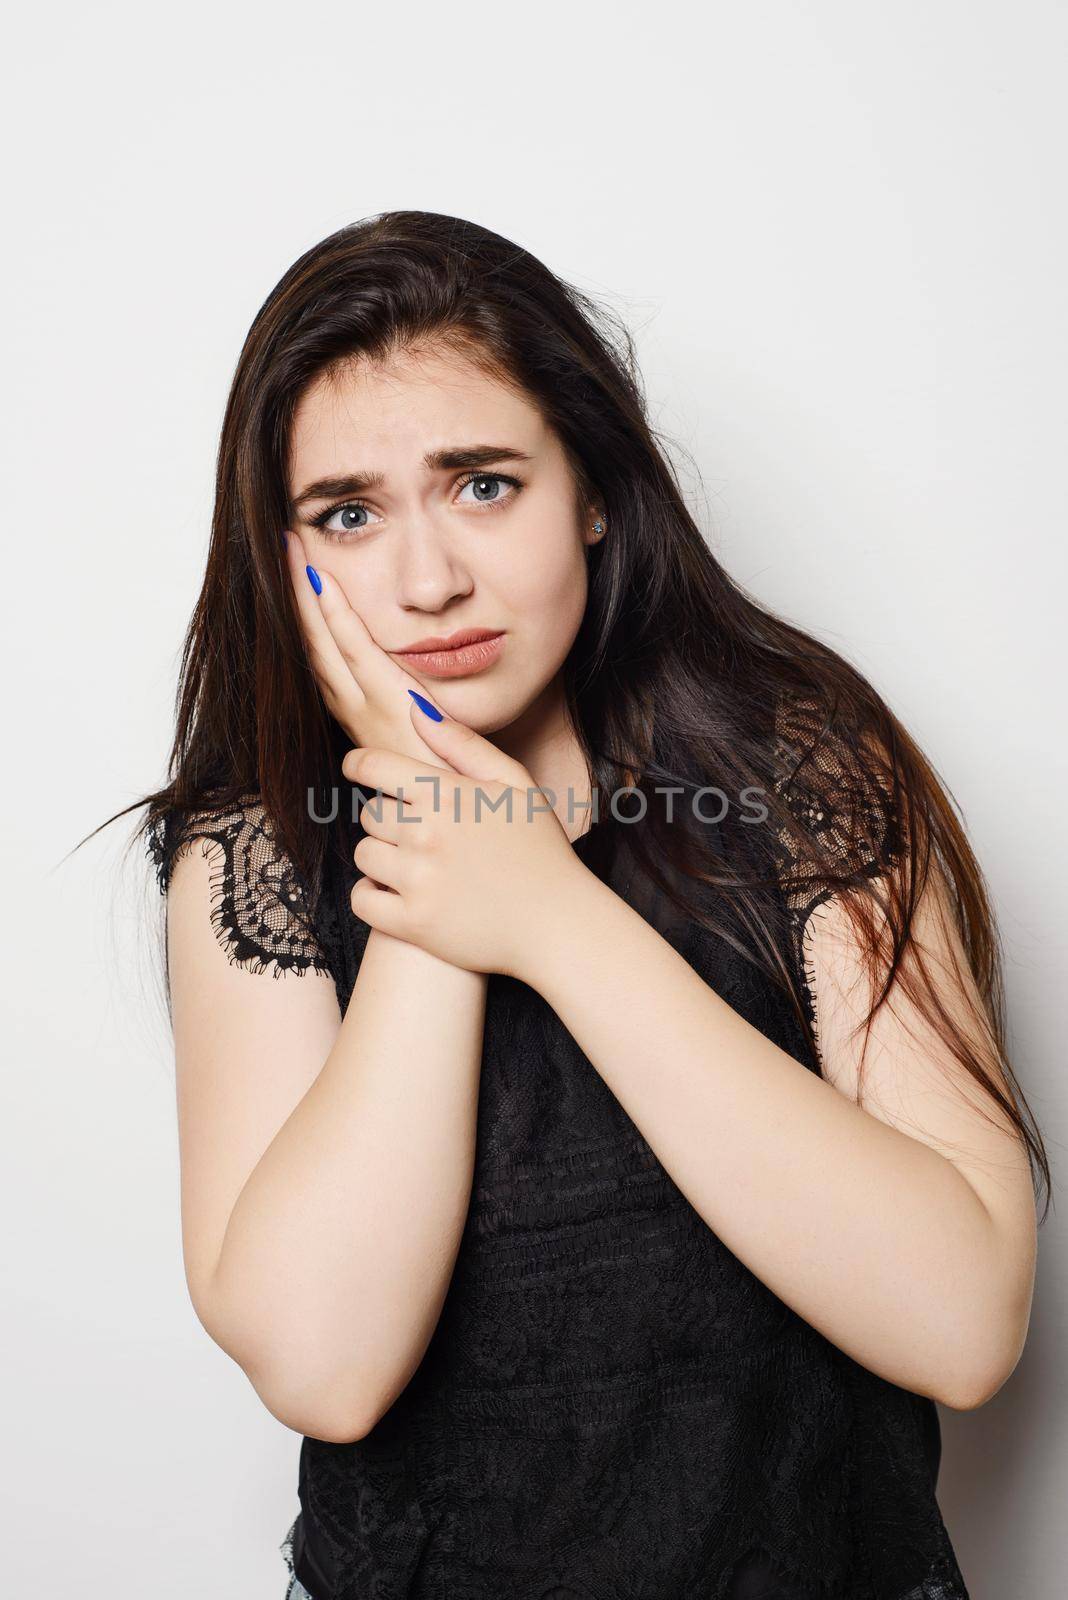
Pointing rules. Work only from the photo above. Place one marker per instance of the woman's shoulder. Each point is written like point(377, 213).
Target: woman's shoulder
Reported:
point(172, 828)
point(260, 904)
point(834, 771)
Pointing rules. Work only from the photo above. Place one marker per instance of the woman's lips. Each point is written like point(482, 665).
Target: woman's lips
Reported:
point(456, 663)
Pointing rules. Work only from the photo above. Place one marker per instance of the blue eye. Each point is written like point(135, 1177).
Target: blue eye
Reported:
point(480, 478)
point(348, 509)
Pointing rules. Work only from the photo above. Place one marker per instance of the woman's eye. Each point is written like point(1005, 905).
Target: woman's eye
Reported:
point(342, 519)
point(484, 481)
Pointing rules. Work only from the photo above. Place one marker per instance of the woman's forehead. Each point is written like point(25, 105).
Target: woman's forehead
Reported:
point(376, 422)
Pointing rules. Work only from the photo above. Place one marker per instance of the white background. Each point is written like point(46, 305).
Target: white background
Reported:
point(838, 231)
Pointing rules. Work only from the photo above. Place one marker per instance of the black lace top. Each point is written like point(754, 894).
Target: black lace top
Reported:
point(612, 1406)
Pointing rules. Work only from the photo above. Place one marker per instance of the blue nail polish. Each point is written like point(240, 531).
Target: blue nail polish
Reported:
point(285, 538)
point(424, 705)
point(314, 579)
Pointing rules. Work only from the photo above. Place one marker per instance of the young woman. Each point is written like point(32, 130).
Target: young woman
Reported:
point(626, 1159)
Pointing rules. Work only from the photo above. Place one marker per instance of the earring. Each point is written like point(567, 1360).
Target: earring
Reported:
point(598, 527)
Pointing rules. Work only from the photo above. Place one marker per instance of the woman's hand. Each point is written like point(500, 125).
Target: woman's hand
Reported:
point(479, 888)
point(363, 687)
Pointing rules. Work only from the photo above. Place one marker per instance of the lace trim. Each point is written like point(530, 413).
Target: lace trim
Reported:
point(259, 901)
point(285, 1549)
point(849, 811)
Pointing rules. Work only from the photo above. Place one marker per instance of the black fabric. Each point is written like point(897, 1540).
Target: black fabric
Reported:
point(612, 1405)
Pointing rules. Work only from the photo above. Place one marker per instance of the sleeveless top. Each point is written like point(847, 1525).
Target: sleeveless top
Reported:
point(612, 1405)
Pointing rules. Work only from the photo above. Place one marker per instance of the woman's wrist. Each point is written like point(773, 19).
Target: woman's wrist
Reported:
point(571, 918)
point(421, 965)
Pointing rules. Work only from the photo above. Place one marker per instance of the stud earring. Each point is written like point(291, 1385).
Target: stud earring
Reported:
point(598, 527)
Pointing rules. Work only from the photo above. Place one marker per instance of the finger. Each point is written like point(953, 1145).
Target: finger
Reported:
point(366, 660)
point(379, 861)
point(382, 817)
point(465, 750)
point(379, 908)
point(372, 767)
point(330, 667)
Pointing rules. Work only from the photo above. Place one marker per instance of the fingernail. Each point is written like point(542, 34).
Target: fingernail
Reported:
point(424, 705)
point(314, 579)
point(285, 538)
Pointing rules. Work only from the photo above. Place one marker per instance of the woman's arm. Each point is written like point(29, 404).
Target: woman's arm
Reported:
point(326, 1163)
point(906, 1234)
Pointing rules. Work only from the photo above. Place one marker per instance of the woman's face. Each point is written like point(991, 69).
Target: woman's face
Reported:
point(491, 541)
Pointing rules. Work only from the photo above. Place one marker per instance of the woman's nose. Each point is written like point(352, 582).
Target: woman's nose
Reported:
point(429, 574)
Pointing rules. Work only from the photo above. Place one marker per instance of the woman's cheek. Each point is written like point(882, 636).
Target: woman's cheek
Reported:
point(557, 615)
point(553, 583)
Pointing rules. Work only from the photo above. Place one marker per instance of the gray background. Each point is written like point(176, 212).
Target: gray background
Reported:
point(838, 231)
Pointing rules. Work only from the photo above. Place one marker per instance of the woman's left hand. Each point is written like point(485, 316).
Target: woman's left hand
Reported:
point(478, 889)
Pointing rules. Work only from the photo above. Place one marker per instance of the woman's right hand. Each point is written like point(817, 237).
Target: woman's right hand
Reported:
point(363, 687)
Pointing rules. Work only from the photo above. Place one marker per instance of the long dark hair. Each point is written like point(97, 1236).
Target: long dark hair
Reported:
point(677, 676)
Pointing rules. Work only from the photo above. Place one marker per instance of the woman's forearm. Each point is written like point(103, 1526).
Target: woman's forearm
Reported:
point(871, 1235)
point(341, 1245)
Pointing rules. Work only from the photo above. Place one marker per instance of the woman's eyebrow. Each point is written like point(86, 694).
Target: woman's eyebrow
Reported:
point(458, 456)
